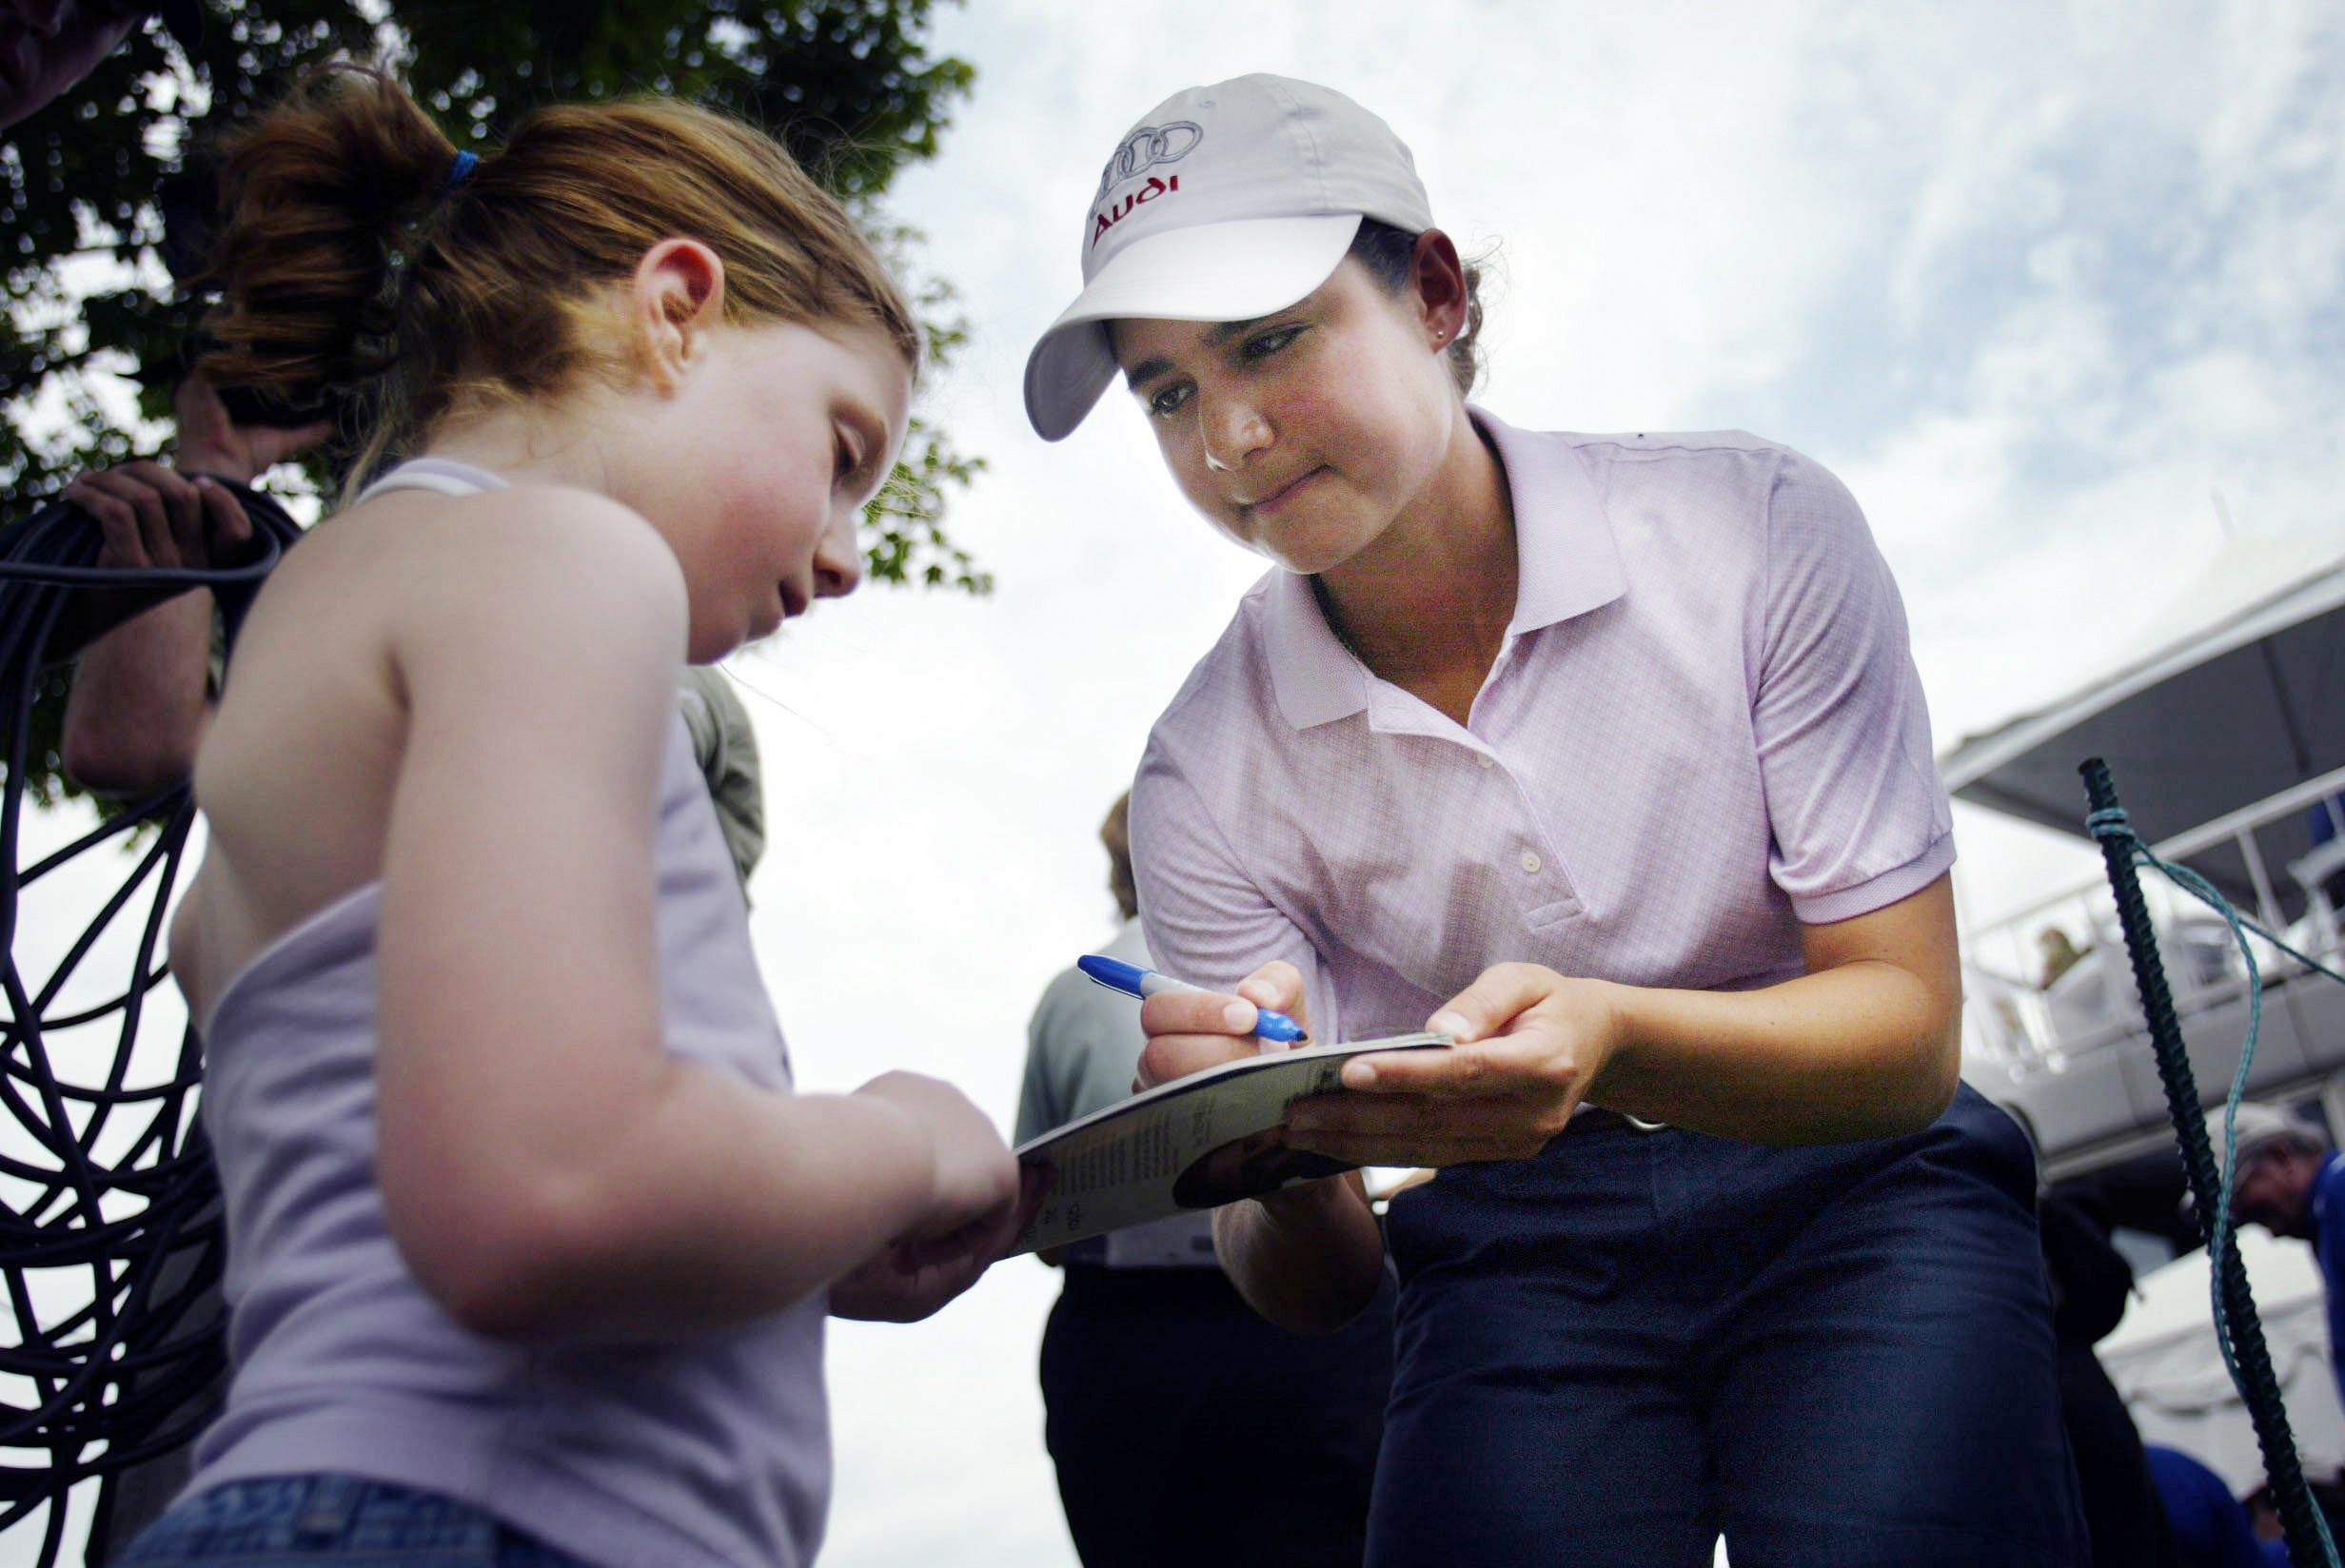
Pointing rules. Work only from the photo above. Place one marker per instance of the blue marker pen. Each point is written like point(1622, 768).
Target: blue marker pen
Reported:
point(1134, 981)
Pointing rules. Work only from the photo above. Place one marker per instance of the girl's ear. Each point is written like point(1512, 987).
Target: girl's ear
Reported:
point(1438, 283)
point(675, 303)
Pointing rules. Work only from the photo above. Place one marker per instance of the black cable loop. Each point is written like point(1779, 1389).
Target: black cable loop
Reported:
point(111, 1185)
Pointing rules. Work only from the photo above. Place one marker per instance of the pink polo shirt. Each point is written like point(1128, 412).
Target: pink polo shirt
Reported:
point(1703, 728)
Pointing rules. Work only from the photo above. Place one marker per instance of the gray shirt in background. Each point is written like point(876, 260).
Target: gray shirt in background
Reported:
point(726, 748)
point(1083, 1046)
point(1081, 1051)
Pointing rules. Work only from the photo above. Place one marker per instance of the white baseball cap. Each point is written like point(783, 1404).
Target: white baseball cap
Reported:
point(1223, 204)
point(2261, 1123)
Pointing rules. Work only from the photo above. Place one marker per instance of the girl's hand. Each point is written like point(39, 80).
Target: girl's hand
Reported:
point(1188, 1032)
point(977, 1205)
point(1530, 1042)
point(904, 1282)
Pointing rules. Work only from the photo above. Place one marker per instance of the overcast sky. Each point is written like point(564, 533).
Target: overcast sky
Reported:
point(2039, 281)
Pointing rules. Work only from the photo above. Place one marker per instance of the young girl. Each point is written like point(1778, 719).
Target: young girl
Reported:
point(1606, 753)
point(530, 1243)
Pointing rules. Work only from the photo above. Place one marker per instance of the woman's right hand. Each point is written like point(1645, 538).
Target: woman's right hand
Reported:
point(1308, 1256)
point(1188, 1032)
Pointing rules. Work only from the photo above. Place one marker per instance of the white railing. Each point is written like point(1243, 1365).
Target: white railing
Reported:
point(2033, 1011)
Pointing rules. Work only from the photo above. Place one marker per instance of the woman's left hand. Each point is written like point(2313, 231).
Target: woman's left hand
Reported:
point(1529, 1044)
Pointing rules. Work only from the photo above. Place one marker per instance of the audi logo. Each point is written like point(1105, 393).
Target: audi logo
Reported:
point(1146, 148)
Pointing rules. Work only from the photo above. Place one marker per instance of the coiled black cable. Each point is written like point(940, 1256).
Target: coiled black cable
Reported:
point(111, 1240)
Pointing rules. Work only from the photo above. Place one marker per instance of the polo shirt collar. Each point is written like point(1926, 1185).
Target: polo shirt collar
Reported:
point(1567, 563)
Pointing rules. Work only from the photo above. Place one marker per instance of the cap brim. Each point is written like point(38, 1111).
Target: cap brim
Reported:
point(1205, 272)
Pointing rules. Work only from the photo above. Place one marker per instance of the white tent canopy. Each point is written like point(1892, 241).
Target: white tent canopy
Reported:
point(2232, 698)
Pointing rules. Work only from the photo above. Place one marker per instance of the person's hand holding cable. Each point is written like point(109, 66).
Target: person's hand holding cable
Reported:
point(141, 697)
point(154, 515)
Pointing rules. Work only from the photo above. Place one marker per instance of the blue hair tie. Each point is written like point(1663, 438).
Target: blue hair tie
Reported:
point(458, 166)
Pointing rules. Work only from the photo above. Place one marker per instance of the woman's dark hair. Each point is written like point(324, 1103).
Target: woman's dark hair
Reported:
point(1389, 256)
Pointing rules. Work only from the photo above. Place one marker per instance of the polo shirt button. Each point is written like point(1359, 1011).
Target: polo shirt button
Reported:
point(1485, 759)
point(1531, 861)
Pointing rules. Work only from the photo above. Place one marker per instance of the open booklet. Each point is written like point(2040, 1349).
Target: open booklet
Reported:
point(1199, 1142)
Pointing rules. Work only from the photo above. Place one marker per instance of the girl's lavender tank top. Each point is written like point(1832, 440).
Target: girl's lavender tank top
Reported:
point(707, 1451)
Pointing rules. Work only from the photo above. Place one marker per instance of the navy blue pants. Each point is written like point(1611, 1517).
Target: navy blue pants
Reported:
point(1838, 1356)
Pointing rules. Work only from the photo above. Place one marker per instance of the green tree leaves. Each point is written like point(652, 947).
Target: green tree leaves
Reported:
point(102, 199)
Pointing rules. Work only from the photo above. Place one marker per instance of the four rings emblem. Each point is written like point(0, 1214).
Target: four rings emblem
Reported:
point(1148, 146)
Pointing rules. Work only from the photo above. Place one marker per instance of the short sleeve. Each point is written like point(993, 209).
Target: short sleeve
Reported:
point(1859, 817)
point(1205, 921)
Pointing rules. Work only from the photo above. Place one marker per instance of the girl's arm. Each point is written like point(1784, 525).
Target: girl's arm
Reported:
point(548, 1169)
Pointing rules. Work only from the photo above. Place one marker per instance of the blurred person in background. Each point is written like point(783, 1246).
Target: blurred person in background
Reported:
point(2287, 1178)
point(2211, 1527)
point(2090, 1282)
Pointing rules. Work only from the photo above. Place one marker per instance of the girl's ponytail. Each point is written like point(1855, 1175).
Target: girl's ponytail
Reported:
point(364, 261)
point(319, 199)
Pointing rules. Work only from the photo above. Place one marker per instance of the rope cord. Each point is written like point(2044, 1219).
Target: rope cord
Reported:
point(2239, 1331)
point(111, 1238)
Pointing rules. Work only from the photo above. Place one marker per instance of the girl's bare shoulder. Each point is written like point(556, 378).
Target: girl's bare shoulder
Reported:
point(500, 602)
point(436, 544)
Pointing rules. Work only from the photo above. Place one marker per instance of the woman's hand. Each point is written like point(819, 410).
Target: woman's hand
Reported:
point(1308, 1256)
point(1188, 1032)
point(1529, 1044)
point(978, 1203)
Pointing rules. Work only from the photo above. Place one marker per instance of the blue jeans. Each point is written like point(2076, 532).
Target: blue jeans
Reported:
point(285, 1521)
point(1840, 1357)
